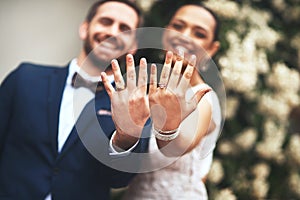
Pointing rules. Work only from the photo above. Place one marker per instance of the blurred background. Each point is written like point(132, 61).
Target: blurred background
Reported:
point(39, 31)
point(258, 152)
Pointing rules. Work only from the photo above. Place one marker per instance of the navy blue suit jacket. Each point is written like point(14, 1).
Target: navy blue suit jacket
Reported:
point(30, 166)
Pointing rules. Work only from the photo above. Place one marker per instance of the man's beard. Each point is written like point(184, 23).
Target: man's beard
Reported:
point(92, 57)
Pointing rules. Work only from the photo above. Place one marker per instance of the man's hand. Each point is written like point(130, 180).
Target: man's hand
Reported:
point(129, 103)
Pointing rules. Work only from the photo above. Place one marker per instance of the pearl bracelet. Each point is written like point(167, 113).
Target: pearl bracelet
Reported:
point(165, 135)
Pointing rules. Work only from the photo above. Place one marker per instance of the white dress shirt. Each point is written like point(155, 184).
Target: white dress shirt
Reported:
point(70, 109)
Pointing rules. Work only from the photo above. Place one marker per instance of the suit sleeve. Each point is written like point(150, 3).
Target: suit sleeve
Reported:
point(7, 89)
point(131, 162)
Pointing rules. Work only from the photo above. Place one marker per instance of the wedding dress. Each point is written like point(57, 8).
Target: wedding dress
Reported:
point(182, 178)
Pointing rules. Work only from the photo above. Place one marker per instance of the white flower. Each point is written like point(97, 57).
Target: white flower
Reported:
point(295, 42)
point(293, 148)
point(262, 64)
point(251, 95)
point(280, 5)
point(275, 106)
point(226, 148)
point(264, 37)
point(271, 145)
point(227, 9)
point(216, 172)
point(246, 139)
point(292, 13)
point(231, 107)
point(145, 4)
point(225, 194)
point(260, 188)
point(283, 78)
point(261, 170)
point(254, 17)
point(294, 183)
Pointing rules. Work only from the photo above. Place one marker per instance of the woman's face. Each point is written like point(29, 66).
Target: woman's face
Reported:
point(191, 30)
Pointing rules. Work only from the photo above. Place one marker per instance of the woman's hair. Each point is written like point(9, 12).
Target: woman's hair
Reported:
point(166, 9)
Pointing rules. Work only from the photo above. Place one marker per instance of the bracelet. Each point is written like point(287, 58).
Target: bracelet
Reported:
point(166, 135)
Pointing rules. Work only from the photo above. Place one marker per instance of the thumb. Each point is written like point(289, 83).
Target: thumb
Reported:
point(107, 85)
point(198, 95)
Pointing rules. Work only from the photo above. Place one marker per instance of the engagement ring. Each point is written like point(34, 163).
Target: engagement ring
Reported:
point(120, 88)
point(162, 86)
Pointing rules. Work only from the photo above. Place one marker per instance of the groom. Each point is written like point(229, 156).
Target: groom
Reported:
point(44, 133)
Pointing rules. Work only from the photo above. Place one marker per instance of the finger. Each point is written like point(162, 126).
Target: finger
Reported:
point(198, 96)
point(119, 81)
point(131, 75)
point(187, 75)
point(176, 71)
point(107, 85)
point(164, 77)
point(153, 80)
point(142, 81)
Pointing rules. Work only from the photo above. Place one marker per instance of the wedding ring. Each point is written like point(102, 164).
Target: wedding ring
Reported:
point(120, 87)
point(162, 86)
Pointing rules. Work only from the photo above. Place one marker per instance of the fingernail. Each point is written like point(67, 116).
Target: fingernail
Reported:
point(103, 74)
point(129, 58)
point(144, 61)
point(180, 53)
point(169, 57)
point(114, 63)
point(153, 68)
point(193, 60)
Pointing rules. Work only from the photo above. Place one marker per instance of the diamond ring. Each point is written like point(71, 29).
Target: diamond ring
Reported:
point(162, 86)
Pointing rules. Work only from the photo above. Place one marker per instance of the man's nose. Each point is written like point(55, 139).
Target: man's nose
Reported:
point(113, 30)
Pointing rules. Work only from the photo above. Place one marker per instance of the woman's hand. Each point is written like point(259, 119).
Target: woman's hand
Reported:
point(168, 103)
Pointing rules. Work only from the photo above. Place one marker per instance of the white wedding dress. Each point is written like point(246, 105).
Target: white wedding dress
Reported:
point(182, 179)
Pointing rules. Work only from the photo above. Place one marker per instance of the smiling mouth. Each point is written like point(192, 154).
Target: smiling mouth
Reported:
point(109, 44)
point(182, 48)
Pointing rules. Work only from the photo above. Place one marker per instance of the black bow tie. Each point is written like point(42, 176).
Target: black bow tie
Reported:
point(78, 81)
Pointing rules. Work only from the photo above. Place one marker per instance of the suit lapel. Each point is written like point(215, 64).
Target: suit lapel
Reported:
point(80, 126)
point(57, 82)
point(88, 126)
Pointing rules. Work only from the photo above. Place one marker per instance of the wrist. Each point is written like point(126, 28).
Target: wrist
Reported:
point(166, 135)
point(123, 141)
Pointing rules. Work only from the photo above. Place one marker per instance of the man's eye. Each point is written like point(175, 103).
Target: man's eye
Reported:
point(106, 21)
point(124, 27)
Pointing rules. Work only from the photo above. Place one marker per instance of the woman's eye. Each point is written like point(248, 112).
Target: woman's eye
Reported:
point(176, 26)
point(199, 34)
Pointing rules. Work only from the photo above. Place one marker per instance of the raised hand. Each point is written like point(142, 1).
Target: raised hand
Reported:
point(168, 103)
point(129, 103)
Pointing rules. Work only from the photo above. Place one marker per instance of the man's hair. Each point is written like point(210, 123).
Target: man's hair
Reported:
point(94, 8)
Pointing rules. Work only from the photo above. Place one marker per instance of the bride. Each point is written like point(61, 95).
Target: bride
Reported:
point(185, 137)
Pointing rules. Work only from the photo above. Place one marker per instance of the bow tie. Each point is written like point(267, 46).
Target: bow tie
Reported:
point(78, 81)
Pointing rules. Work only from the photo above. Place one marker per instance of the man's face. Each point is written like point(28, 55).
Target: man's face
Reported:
point(192, 28)
point(99, 35)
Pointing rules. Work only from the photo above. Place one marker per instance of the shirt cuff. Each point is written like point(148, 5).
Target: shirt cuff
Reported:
point(114, 152)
